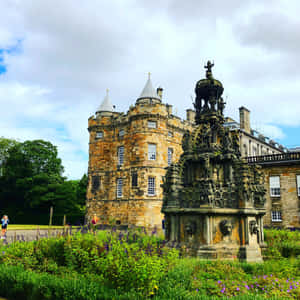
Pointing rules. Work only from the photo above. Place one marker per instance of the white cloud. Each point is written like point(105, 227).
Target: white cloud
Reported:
point(69, 52)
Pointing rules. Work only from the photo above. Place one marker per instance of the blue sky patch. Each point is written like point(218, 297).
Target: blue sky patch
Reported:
point(2, 66)
point(292, 137)
point(14, 50)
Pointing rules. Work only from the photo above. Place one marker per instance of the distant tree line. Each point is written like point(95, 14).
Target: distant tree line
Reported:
point(31, 181)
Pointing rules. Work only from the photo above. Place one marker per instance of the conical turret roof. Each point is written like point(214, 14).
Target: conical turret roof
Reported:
point(148, 91)
point(106, 105)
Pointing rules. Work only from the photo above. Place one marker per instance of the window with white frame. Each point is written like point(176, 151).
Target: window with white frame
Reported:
point(151, 124)
point(275, 186)
point(298, 184)
point(99, 134)
point(152, 151)
point(121, 132)
point(276, 216)
point(120, 155)
point(151, 186)
point(170, 156)
point(119, 187)
point(170, 134)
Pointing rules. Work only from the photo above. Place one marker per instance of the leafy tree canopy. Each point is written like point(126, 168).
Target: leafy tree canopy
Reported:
point(32, 179)
point(5, 145)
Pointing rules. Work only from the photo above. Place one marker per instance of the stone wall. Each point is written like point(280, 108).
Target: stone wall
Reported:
point(289, 202)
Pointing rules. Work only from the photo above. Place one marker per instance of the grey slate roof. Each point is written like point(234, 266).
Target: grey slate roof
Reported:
point(148, 91)
point(106, 105)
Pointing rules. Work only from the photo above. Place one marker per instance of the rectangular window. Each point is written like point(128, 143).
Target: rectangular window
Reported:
point(170, 156)
point(275, 186)
point(151, 151)
point(276, 216)
point(95, 183)
point(254, 151)
point(121, 132)
point(99, 134)
point(170, 134)
point(151, 186)
point(298, 184)
point(120, 155)
point(119, 187)
point(134, 179)
point(151, 124)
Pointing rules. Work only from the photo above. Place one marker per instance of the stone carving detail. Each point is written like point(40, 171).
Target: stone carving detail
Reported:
point(253, 227)
point(211, 180)
point(226, 227)
point(190, 228)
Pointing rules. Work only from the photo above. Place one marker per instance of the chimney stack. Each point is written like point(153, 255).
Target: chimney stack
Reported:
point(190, 115)
point(169, 109)
point(159, 92)
point(245, 119)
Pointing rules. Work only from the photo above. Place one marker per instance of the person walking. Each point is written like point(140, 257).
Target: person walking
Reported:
point(4, 223)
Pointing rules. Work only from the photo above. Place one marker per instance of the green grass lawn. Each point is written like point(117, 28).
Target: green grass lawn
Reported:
point(31, 227)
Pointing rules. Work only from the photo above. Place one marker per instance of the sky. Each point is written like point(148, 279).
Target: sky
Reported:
point(58, 57)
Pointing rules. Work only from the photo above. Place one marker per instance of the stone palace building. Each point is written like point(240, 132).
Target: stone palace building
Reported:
point(129, 154)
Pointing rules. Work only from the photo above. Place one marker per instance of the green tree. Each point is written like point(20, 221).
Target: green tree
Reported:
point(81, 190)
point(31, 174)
point(5, 145)
point(32, 182)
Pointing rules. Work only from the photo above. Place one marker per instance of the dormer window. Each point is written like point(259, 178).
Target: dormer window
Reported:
point(99, 135)
point(151, 124)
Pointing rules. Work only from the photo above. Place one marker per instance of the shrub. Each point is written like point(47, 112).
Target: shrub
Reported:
point(121, 261)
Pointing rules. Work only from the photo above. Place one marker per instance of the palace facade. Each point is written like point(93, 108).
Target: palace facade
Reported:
point(129, 153)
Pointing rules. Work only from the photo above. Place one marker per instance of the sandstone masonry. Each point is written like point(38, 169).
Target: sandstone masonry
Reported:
point(128, 156)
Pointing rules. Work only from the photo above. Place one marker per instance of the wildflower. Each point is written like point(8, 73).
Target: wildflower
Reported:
point(219, 281)
point(247, 287)
point(197, 290)
point(223, 290)
point(237, 288)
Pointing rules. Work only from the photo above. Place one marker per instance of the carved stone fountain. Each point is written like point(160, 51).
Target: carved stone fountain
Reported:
point(213, 200)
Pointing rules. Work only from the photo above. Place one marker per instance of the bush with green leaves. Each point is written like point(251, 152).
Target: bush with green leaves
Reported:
point(125, 262)
point(282, 243)
point(134, 265)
